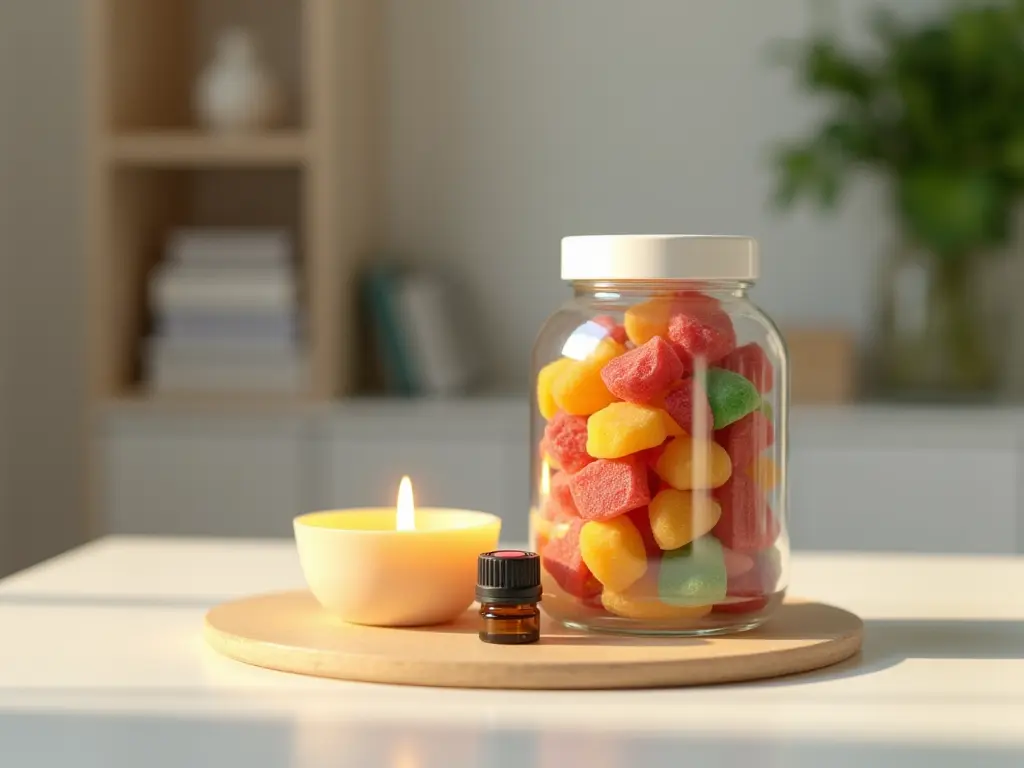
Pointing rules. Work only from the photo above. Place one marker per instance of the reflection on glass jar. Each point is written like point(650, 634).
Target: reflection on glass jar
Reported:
point(658, 440)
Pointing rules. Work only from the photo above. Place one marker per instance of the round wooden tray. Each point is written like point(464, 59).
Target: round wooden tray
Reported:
point(288, 631)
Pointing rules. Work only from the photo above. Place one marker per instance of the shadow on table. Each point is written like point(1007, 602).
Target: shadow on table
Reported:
point(888, 642)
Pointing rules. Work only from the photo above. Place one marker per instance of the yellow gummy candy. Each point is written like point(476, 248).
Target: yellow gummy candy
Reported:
point(641, 601)
point(620, 429)
point(679, 517)
point(671, 428)
point(648, 319)
point(545, 384)
point(689, 464)
point(579, 389)
point(614, 552)
point(765, 472)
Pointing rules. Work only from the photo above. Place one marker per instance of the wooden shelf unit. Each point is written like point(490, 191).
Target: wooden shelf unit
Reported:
point(194, 149)
point(150, 169)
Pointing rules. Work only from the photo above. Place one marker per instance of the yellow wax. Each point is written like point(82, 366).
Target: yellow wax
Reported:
point(365, 571)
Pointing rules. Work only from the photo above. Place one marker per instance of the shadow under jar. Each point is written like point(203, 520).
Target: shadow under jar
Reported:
point(659, 440)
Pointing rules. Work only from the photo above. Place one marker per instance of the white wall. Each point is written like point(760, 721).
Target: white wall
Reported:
point(6, 256)
point(510, 124)
point(42, 278)
point(515, 123)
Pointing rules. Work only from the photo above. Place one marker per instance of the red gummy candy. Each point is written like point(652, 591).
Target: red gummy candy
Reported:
point(643, 373)
point(607, 488)
point(703, 333)
point(641, 518)
point(753, 605)
point(562, 559)
point(615, 331)
point(736, 563)
point(751, 362)
point(565, 439)
point(759, 584)
point(650, 456)
point(746, 439)
point(560, 503)
point(684, 402)
point(762, 579)
point(747, 524)
point(687, 299)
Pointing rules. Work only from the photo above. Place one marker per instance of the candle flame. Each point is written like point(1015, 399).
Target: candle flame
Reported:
point(545, 478)
point(406, 518)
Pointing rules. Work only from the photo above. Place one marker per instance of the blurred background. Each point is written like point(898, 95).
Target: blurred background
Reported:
point(266, 256)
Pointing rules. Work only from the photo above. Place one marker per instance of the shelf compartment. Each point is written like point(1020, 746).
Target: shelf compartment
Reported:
point(155, 50)
point(147, 204)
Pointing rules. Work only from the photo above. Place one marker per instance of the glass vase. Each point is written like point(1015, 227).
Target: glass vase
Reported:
point(936, 332)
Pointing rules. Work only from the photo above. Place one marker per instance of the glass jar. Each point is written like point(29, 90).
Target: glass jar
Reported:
point(658, 440)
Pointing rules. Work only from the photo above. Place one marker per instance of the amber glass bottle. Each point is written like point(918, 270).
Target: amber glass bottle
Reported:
point(508, 590)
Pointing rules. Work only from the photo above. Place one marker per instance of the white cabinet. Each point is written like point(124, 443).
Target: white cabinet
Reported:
point(926, 500)
point(200, 475)
point(892, 480)
point(860, 479)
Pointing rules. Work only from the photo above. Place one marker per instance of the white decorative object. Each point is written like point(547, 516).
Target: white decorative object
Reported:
point(236, 92)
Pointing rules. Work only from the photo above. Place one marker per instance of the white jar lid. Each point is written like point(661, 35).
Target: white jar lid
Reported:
point(659, 257)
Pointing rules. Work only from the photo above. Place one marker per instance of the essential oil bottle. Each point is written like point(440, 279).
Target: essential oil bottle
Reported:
point(508, 590)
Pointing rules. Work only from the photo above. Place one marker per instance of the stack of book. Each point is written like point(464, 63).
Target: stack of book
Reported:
point(226, 314)
point(421, 334)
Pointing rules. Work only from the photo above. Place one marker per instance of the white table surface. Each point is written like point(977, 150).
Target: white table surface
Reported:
point(102, 664)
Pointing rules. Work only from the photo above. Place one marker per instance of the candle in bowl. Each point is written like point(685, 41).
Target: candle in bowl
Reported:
point(394, 567)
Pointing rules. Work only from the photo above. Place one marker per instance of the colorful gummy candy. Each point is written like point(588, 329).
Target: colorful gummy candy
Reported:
point(614, 552)
point(730, 395)
point(559, 502)
point(622, 429)
point(694, 574)
point(746, 439)
point(679, 517)
point(736, 563)
point(562, 558)
point(687, 464)
point(641, 519)
point(644, 373)
point(616, 331)
point(662, 437)
point(750, 591)
point(641, 601)
point(701, 337)
point(648, 319)
point(565, 442)
point(687, 404)
point(765, 472)
point(751, 362)
point(546, 379)
point(747, 524)
point(607, 488)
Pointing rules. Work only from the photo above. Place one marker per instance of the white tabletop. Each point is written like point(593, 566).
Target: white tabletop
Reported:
point(102, 664)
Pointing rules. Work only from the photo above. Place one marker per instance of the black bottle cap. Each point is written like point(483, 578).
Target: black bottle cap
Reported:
point(508, 576)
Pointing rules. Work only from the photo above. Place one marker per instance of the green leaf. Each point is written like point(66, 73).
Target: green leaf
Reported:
point(828, 69)
point(885, 26)
point(953, 213)
point(1013, 157)
point(937, 105)
point(806, 172)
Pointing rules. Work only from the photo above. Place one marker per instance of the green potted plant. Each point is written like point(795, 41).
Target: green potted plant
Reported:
point(937, 107)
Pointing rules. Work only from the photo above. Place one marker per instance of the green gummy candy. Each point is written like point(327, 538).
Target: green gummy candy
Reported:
point(731, 396)
point(767, 410)
point(694, 574)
